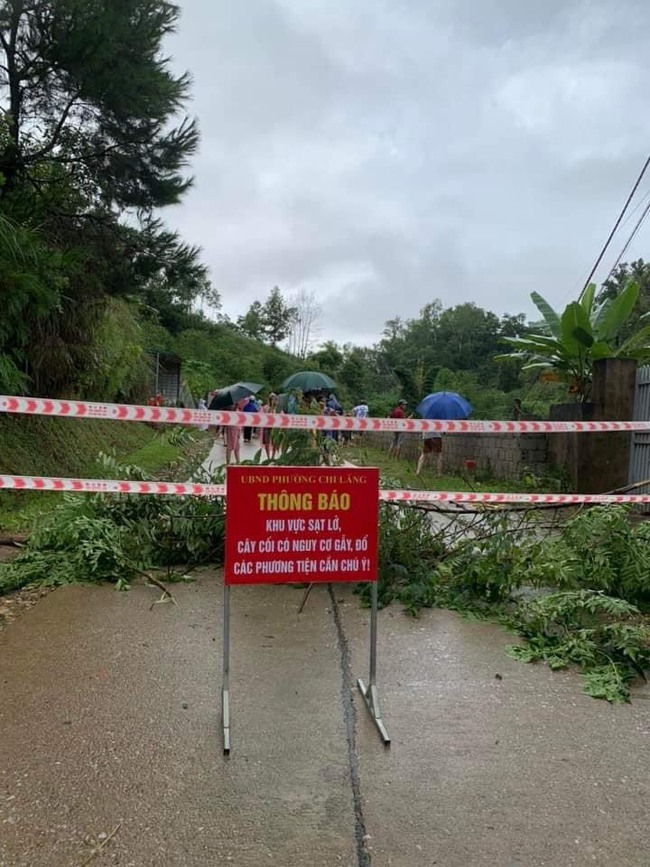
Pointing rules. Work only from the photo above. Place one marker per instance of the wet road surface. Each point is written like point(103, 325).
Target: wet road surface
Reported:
point(109, 718)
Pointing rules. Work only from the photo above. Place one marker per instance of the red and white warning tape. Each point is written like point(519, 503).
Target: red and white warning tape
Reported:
point(480, 497)
point(192, 489)
point(110, 486)
point(196, 417)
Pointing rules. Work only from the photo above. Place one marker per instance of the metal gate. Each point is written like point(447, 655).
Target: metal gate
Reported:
point(640, 447)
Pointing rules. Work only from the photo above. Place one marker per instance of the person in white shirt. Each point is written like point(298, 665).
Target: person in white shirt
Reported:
point(360, 411)
point(202, 405)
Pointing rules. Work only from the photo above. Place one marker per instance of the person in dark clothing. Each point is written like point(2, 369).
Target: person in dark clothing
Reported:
point(250, 406)
point(334, 408)
point(397, 411)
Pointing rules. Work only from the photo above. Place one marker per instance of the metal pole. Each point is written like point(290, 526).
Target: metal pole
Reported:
point(374, 595)
point(370, 693)
point(225, 682)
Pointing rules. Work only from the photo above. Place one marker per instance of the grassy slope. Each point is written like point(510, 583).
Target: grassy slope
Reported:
point(33, 445)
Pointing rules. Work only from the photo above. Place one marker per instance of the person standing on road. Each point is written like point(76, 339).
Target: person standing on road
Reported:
point(334, 408)
point(360, 411)
point(328, 442)
point(268, 433)
point(232, 435)
point(398, 411)
point(431, 445)
point(249, 406)
point(202, 406)
point(292, 403)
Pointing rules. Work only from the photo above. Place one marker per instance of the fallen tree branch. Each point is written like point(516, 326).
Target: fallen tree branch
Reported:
point(305, 597)
point(98, 849)
point(167, 594)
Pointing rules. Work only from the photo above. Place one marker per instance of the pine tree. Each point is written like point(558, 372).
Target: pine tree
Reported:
point(278, 317)
point(88, 99)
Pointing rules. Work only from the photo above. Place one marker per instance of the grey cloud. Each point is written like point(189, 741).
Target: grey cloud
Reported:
point(388, 153)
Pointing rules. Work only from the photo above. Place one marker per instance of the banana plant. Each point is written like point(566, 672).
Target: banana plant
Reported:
point(582, 334)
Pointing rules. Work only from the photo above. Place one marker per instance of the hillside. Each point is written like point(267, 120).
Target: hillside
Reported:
point(34, 445)
point(215, 354)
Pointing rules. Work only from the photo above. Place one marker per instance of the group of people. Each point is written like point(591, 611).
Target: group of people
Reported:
point(294, 402)
point(232, 434)
point(314, 402)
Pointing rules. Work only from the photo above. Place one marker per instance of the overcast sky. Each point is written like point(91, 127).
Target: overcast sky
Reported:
point(388, 152)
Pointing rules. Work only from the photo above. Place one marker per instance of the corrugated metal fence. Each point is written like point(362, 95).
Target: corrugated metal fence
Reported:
point(640, 448)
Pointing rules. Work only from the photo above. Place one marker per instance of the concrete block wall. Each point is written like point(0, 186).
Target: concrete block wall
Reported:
point(503, 456)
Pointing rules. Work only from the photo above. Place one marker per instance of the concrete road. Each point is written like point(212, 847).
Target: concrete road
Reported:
point(217, 456)
point(109, 719)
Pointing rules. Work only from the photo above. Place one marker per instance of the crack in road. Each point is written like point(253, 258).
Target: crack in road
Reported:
point(350, 718)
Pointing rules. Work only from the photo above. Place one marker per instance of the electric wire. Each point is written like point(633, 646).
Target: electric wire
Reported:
point(632, 236)
point(615, 227)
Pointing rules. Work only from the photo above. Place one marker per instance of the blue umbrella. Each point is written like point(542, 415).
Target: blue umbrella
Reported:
point(444, 405)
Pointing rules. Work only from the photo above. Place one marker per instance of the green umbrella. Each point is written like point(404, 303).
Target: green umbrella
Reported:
point(309, 380)
point(253, 387)
point(232, 394)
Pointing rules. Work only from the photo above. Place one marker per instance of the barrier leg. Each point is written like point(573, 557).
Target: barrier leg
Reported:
point(369, 693)
point(225, 681)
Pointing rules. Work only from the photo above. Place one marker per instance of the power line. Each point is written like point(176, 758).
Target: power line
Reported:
point(638, 205)
point(616, 225)
point(636, 228)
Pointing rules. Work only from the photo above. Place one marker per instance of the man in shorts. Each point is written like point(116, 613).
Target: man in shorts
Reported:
point(431, 445)
point(397, 411)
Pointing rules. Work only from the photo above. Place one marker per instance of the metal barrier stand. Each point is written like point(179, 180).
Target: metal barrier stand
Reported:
point(369, 693)
point(225, 682)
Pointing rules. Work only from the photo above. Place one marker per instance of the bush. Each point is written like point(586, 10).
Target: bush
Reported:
point(598, 560)
point(602, 550)
point(116, 537)
point(606, 637)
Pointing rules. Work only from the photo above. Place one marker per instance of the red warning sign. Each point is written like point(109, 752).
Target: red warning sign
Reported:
point(301, 524)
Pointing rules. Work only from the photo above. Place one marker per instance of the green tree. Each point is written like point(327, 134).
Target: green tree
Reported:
point(354, 374)
point(88, 132)
point(328, 358)
point(199, 376)
point(87, 89)
point(583, 333)
point(251, 323)
point(276, 367)
point(639, 272)
point(278, 317)
point(467, 337)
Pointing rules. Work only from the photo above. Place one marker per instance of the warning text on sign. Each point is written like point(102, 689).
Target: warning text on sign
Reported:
point(297, 524)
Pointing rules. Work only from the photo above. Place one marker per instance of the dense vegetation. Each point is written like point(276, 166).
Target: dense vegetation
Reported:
point(585, 332)
point(93, 142)
point(575, 592)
